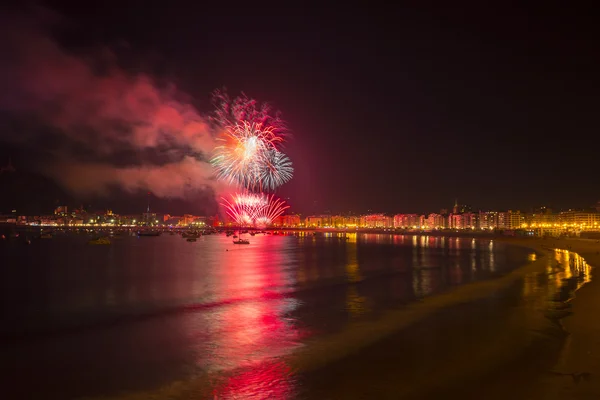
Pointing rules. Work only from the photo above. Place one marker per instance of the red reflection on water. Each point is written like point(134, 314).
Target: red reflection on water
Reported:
point(249, 337)
point(264, 381)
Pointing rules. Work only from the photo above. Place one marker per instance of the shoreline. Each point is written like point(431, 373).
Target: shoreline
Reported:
point(358, 343)
point(577, 371)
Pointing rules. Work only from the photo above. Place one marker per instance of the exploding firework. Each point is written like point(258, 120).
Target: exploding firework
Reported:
point(230, 112)
point(247, 156)
point(276, 170)
point(254, 209)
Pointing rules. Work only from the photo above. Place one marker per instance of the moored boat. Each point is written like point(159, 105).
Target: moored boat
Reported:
point(101, 240)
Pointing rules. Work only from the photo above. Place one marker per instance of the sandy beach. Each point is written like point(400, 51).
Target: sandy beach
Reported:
point(577, 372)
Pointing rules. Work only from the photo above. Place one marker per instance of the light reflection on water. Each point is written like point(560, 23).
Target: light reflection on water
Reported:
point(355, 303)
point(237, 314)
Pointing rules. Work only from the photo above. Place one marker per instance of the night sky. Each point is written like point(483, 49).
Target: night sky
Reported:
point(391, 110)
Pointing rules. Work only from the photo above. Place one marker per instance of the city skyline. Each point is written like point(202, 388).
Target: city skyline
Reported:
point(541, 223)
point(474, 215)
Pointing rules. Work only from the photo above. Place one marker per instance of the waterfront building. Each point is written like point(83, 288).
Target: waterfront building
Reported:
point(376, 221)
point(435, 221)
point(408, 221)
point(187, 219)
point(319, 221)
point(509, 220)
point(337, 221)
point(315, 221)
point(49, 220)
point(129, 219)
point(488, 220)
point(579, 220)
point(8, 219)
point(173, 221)
point(470, 220)
point(351, 221)
point(535, 220)
point(456, 221)
point(289, 221)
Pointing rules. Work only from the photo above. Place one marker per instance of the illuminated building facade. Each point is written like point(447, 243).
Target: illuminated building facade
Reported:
point(376, 221)
point(187, 219)
point(579, 220)
point(435, 221)
point(456, 221)
point(338, 221)
point(509, 220)
point(287, 221)
point(318, 221)
point(351, 221)
point(470, 220)
point(534, 220)
point(488, 220)
point(408, 221)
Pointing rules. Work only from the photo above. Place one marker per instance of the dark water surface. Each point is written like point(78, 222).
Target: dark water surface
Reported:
point(215, 320)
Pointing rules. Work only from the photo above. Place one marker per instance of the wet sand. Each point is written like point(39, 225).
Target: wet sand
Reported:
point(491, 339)
point(580, 354)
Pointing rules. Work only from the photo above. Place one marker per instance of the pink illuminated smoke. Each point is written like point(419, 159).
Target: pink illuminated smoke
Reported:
point(100, 121)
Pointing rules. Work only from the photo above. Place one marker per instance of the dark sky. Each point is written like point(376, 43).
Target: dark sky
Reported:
point(392, 110)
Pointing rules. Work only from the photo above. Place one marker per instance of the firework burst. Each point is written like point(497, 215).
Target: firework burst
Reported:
point(229, 112)
point(247, 156)
point(254, 209)
point(276, 170)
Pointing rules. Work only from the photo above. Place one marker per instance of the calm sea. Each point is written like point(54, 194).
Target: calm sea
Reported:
point(160, 316)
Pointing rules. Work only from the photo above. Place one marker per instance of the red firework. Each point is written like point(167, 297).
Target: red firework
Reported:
point(230, 112)
point(254, 209)
point(247, 156)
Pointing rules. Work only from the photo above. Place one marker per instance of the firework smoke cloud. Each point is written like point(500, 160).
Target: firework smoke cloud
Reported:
point(99, 126)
